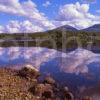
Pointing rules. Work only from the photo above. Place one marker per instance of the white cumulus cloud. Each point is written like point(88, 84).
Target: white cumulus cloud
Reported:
point(20, 27)
point(77, 15)
point(1, 29)
point(27, 9)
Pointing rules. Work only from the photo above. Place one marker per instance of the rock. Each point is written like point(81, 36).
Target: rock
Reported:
point(39, 89)
point(29, 72)
point(49, 80)
point(87, 98)
point(48, 87)
point(31, 67)
point(48, 91)
point(29, 86)
point(43, 90)
point(48, 94)
point(66, 89)
point(69, 96)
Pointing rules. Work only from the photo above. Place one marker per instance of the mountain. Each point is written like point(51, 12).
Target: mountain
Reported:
point(67, 28)
point(94, 28)
point(57, 35)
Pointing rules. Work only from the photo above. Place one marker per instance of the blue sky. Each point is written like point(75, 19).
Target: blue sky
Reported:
point(47, 14)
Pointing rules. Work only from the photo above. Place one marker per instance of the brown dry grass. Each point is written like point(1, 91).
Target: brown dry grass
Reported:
point(13, 87)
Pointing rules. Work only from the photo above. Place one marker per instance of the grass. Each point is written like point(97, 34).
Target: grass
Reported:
point(13, 87)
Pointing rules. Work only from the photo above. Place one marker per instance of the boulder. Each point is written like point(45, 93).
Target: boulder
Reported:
point(49, 80)
point(66, 89)
point(29, 72)
point(39, 89)
point(68, 96)
point(42, 90)
point(48, 94)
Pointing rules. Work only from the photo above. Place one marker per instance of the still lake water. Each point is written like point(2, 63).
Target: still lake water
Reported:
point(76, 69)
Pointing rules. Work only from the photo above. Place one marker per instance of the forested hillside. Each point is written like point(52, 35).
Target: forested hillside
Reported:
point(57, 39)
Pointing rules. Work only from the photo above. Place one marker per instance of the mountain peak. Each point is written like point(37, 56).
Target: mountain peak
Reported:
point(96, 25)
point(67, 28)
point(94, 28)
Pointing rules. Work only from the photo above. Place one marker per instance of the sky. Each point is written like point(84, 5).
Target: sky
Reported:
point(17, 16)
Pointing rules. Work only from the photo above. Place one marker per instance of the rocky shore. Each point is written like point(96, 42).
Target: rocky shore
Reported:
point(24, 84)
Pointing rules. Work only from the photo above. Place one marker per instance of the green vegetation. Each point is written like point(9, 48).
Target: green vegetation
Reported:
point(51, 39)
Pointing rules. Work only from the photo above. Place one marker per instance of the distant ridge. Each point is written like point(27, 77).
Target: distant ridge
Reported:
point(67, 28)
point(94, 28)
point(56, 34)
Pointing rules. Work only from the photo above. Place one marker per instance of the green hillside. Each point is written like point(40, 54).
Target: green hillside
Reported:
point(51, 39)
